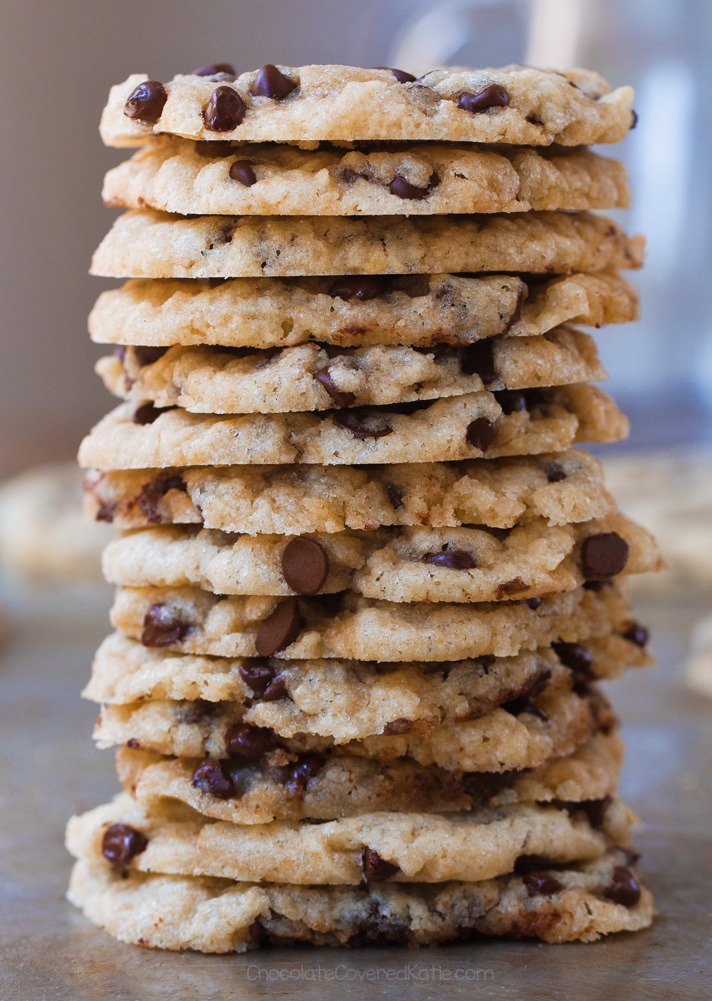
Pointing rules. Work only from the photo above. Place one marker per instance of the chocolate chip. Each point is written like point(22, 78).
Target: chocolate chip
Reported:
point(361, 288)
point(493, 96)
point(305, 565)
point(635, 633)
point(523, 701)
point(257, 675)
point(153, 492)
point(224, 111)
point(530, 863)
point(595, 810)
point(624, 887)
point(299, 775)
point(214, 149)
point(241, 170)
point(404, 189)
point(630, 855)
point(534, 603)
point(121, 843)
point(398, 726)
point(478, 358)
point(604, 555)
point(341, 399)
point(541, 883)
point(249, 742)
point(511, 400)
point(455, 559)
point(513, 586)
point(574, 656)
point(374, 868)
point(106, 511)
point(147, 355)
point(146, 102)
point(400, 75)
point(214, 68)
point(364, 424)
point(209, 777)
point(634, 119)
point(395, 496)
point(280, 628)
point(147, 413)
point(481, 433)
point(271, 82)
point(555, 473)
point(162, 627)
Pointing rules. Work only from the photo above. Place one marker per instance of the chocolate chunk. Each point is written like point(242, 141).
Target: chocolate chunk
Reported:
point(624, 887)
point(400, 75)
point(163, 627)
point(146, 102)
point(249, 742)
point(576, 657)
point(541, 883)
point(121, 843)
point(224, 111)
point(242, 171)
point(374, 868)
point(153, 492)
point(511, 400)
point(271, 82)
point(305, 565)
point(364, 424)
point(595, 810)
point(341, 399)
point(280, 628)
point(603, 556)
point(555, 473)
point(147, 413)
point(513, 586)
point(257, 675)
point(358, 287)
point(209, 777)
point(481, 433)
point(214, 68)
point(534, 603)
point(635, 633)
point(298, 775)
point(455, 559)
point(478, 358)
point(395, 496)
point(493, 96)
point(147, 355)
point(404, 189)
point(397, 726)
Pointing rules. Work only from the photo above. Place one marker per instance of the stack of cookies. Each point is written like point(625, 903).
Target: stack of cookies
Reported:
point(367, 587)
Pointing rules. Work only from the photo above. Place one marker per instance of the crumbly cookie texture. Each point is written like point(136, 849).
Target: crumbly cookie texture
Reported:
point(421, 848)
point(210, 179)
point(144, 243)
point(418, 310)
point(348, 626)
point(397, 564)
point(316, 377)
point(537, 107)
point(210, 915)
point(333, 786)
point(564, 488)
point(474, 425)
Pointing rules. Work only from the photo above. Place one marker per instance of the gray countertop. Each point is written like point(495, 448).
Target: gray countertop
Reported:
point(50, 770)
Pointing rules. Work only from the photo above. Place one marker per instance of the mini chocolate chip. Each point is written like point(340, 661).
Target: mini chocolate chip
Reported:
point(224, 111)
point(513, 586)
point(541, 883)
point(209, 777)
point(241, 170)
point(624, 887)
point(404, 189)
point(511, 400)
point(478, 359)
point(215, 68)
point(555, 473)
point(604, 555)
point(364, 424)
point(162, 627)
point(153, 492)
point(534, 603)
point(249, 742)
point(299, 774)
point(374, 868)
point(147, 356)
point(271, 82)
point(305, 565)
point(395, 496)
point(146, 102)
point(595, 810)
point(493, 96)
point(256, 674)
point(147, 413)
point(362, 288)
point(574, 656)
point(280, 628)
point(133, 744)
point(400, 75)
point(397, 726)
point(481, 433)
point(635, 633)
point(455, 559)
point(341, 399)
point(121, 843)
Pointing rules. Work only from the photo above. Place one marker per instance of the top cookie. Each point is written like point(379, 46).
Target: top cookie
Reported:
point(514, 104)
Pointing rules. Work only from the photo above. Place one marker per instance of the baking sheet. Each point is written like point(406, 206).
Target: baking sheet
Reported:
point(50, 769)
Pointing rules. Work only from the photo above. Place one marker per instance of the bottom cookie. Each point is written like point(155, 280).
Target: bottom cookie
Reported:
point(580, 902)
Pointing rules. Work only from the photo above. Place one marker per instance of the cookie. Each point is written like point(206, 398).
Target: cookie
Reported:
point(187, 178)
point(524, 733)
point(462, 427)
point(288, 500)
point(331, 786)
point(313, 377)
point(513, 104)
point(417, 311)
point(209, 915)
point(413, 848)
point(354, 628)
point(398, 564)
point(144, 243)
